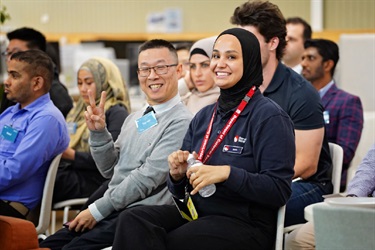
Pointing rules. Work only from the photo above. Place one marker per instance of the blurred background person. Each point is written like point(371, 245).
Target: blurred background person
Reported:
point(297, 32)
point(78, 176)
point(343, 112)
point(183, 50)
point(205, 91)
point(184, 83)
point(23, 39)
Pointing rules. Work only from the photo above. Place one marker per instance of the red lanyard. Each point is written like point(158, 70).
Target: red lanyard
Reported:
point(225, 130)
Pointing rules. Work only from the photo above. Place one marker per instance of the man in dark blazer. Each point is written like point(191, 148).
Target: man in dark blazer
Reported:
point(343, 113)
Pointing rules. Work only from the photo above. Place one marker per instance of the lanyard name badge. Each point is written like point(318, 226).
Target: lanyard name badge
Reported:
point(9, 133)
point(146, 122)
point(187, 208)
point(225, 130)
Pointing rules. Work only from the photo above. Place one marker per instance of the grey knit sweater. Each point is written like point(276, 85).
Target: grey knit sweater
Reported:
point(137, 162)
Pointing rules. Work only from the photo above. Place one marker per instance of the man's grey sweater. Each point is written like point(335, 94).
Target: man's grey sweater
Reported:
point(138, 162)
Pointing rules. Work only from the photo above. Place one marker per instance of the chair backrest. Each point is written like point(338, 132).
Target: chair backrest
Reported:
point(337, 155)
point(46, 202)
point(280, 228)
point(338, 227)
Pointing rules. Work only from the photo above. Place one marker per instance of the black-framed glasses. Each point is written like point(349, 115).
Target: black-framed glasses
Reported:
point(9, 53)
point(6, 53)
point(159, 69)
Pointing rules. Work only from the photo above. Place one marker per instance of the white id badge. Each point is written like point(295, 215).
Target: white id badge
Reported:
point(326, 116)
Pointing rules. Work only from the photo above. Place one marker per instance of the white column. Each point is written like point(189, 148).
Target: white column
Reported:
point(316, 15)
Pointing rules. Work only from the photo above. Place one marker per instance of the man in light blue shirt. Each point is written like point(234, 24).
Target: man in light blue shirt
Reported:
point(32, 132)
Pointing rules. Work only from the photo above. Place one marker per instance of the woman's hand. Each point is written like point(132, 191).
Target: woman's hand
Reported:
point(201, 176)
point(68, 154)
point(95, 117)
point(177, 162)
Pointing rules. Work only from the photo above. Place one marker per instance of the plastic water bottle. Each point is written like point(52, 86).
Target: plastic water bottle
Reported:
point(208, 190)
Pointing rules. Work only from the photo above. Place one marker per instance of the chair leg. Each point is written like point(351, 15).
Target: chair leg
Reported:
point(66, 214)
point(53, 222)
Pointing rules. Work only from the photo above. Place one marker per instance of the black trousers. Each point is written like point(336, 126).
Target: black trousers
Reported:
point(72, 184)
point(7, 210)
point(101, 236)
point(162, 227)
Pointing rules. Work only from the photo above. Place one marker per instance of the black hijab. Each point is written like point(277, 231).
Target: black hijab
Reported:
point(252, 69)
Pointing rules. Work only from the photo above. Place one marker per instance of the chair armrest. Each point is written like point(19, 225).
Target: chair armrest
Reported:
point(17, 234)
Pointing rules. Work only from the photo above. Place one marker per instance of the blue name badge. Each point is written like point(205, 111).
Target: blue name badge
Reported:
point(72, 127)
point(232, 149)
point(9, 133)
point(145, 122)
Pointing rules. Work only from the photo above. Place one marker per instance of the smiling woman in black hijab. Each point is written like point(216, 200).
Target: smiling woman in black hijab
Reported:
point(252, 68)
point(246, 144)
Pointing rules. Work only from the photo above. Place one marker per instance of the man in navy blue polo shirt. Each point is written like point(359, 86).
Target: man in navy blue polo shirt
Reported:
point(299, 99)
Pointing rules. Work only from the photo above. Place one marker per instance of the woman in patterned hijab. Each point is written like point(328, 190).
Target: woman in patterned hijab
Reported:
point(78, 176)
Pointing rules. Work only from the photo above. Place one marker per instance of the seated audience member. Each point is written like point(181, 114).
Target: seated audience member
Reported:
point(23, 39)
point(184, 83)
point(297, 97)
point(183, 57)
point(343, 113)
point(137, 161)
point(205, 91)
point(78, 175)
point(297, 32)
point(362, 185)
point(252, 173)
point(33, 132)
point(53, 52)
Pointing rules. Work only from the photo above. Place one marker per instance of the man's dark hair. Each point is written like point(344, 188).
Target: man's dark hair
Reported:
point(266, 17)
point(307, 32)
point(157, 44)
point(183, 46)
point(327, 49)
point(39, 64)
point(34, 39)
point(54, 54)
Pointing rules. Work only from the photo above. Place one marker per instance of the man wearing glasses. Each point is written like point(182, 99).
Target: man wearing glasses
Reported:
point(26, 39)
point(137, 162)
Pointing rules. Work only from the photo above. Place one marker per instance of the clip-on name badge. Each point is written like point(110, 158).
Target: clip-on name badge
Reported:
point(145, 122)
point(186, 207)
point(72, 127)
point(9, 133)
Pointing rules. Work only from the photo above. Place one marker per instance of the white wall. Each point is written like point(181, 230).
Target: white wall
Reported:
point(356, 72)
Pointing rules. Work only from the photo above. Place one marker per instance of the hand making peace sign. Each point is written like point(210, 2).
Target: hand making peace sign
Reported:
point(95, 116)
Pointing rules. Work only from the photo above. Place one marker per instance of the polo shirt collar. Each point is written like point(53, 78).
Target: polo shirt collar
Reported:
point(277, 79)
